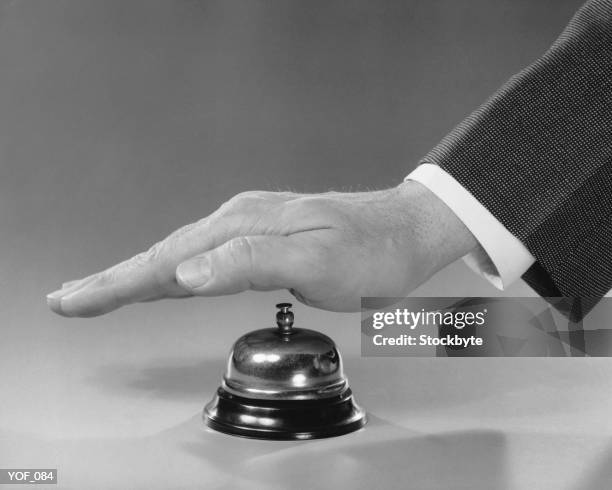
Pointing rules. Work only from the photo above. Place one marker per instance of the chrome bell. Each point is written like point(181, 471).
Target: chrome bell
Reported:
point(284, 383)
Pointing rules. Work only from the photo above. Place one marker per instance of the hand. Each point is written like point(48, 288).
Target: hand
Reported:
point(328, 249)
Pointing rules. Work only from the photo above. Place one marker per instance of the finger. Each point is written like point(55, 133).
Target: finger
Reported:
point(137, 279)
point(54, 299)
point(69, 286)
point(151, 275)
point(250, 262)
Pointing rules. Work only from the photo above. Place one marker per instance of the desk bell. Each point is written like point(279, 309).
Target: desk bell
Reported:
point(284, 383)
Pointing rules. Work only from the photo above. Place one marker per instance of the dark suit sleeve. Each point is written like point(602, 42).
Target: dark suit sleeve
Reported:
point(538, 156)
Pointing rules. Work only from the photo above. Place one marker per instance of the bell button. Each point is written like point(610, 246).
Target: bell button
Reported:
point(284, 318)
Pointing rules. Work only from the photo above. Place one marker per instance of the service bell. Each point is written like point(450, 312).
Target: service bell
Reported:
point(284, 383)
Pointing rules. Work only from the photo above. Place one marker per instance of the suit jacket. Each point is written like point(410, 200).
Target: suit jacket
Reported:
point(538, 155)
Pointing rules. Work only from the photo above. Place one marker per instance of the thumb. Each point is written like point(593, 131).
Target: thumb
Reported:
point(247, 262)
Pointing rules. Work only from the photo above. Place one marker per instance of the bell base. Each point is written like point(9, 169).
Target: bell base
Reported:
point(284, 419)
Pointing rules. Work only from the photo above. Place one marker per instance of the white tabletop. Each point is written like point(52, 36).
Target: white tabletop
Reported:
point(115, 402)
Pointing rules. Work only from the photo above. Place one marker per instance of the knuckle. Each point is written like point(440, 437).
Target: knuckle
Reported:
point(245, 201)
point(148, 256)
point(246, 195)
point(142, 260)
point(177, 234)
point(240, 250)
point(107, 277)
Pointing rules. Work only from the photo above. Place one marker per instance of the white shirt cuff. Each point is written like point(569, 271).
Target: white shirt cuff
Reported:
point(502, 258)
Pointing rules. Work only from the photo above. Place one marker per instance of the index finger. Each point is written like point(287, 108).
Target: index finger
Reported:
point(151, 275)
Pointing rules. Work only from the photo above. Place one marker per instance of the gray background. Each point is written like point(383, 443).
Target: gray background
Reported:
point(123, 120)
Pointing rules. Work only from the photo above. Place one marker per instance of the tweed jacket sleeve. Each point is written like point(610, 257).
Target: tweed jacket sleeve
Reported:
point(538, 156)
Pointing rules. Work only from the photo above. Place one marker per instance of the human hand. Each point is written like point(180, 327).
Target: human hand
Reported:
point(328, 249)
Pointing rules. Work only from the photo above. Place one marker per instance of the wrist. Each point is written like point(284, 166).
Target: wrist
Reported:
point(438, 236)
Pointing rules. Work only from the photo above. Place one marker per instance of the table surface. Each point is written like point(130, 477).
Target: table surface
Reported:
point(115, 402)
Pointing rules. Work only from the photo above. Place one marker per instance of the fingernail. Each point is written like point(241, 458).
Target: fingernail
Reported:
point(194, 274)
point(66, 288)
point(70, 283)
point(56, 294)
point(54, 300)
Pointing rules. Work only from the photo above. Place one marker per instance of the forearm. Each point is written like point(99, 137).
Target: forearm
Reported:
point(538, 156)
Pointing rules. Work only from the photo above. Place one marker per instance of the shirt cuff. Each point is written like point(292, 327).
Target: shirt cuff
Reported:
point(501, 258)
